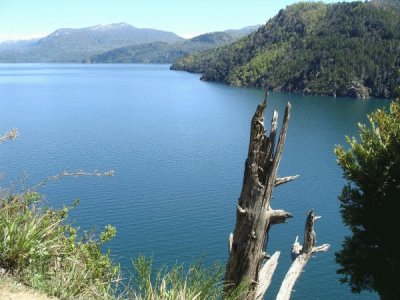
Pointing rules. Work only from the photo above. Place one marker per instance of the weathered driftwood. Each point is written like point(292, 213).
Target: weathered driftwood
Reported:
point(300, 256)
point(248, 262)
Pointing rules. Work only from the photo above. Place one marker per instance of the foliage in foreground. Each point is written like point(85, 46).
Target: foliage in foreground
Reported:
point(39, 249)
point(370, 204)
point(178, 283)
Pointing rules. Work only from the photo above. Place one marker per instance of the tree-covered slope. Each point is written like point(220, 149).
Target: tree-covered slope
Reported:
point(387, 3)
point(169, 52)
point(344, 49)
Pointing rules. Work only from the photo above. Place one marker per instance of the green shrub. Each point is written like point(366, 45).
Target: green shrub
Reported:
point(40, 249)
point(369, 258)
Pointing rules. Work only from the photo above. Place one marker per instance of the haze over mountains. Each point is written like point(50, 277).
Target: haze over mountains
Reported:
point(78, 45)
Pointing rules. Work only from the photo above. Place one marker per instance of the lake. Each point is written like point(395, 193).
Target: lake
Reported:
point(177, 146)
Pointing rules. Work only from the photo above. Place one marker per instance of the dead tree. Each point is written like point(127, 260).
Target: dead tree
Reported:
point(249, 264)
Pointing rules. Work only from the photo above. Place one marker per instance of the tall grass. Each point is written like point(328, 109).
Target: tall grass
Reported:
point(178, 283)
point(41, 250)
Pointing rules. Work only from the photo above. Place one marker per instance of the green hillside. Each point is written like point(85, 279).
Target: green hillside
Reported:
point(169, 52)
point(344, 49)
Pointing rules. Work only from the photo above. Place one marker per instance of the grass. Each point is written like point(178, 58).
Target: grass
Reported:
point(177, 283)
point(42, 251)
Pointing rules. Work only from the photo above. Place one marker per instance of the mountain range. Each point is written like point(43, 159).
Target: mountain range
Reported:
point(74, 45)
point(342, 49)
point(162, 52)
point(79, 45)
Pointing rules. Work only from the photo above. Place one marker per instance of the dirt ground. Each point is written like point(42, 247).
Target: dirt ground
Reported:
point(12, 290)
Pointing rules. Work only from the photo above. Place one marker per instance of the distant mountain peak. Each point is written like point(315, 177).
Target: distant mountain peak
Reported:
point(111, 26)
point(61, 31)
point(100, 27)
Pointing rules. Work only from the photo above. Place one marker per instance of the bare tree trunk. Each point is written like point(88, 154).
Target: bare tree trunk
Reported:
point(248, 262)
point(300, 256)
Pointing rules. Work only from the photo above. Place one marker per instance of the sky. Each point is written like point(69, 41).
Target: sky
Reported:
point(24, 19)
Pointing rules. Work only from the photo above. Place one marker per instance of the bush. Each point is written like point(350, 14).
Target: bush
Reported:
point(41, 250)
point(370, 203)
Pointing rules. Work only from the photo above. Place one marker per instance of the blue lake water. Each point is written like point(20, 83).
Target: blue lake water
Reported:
point(178, 146)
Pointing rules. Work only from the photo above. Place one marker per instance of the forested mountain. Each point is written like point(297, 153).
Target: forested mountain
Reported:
point(160, 52)
point(387, 3)
point(74, 45)
point(344, 49)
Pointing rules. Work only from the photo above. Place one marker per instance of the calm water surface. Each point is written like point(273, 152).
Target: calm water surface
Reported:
point(177, 146)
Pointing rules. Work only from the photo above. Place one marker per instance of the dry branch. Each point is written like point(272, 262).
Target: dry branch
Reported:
point(67, 174)
point(10, 135)
point(265, 275)
point(280, 181)
point(300, 256)
point(279, 216)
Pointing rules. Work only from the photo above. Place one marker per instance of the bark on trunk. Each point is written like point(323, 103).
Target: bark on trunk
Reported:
point(248, 262)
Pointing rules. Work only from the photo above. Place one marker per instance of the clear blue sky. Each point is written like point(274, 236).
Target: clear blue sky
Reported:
point(31, 18)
